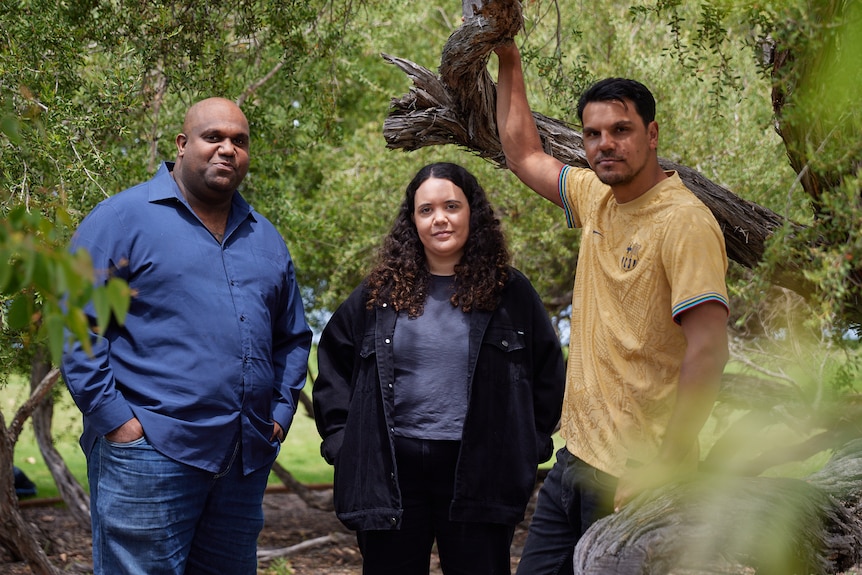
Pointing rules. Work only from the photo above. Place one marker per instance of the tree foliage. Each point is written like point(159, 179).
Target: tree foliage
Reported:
point(761, 98)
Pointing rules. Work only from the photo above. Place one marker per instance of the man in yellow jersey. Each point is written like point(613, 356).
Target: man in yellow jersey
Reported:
point(649, 309)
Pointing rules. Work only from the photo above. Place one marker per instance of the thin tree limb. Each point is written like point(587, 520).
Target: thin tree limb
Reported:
point(257, 84)
point(36, 396)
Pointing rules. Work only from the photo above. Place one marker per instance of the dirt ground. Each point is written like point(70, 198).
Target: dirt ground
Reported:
point(324, 546)
point(318, 543)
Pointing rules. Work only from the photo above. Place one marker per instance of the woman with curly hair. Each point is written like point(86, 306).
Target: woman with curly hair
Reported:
point(440, 383)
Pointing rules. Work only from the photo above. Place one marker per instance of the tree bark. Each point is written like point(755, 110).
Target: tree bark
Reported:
point(71, 491)
point(458, 107)
point(713, 524)
point(15, 534)
point(311, 497)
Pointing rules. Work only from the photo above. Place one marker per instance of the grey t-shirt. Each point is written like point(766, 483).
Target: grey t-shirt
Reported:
point(431, 367)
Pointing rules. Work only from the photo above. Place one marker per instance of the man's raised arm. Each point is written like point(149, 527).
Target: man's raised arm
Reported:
point(518, 133)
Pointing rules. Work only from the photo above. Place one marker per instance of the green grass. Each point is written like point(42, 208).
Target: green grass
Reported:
point(66, 430)
point(300, 453)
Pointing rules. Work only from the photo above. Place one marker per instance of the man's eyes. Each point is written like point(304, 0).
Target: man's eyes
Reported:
point(215, 138)
point(617, 130)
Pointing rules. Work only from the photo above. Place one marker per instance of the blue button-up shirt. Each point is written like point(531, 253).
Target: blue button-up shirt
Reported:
point(215, 345)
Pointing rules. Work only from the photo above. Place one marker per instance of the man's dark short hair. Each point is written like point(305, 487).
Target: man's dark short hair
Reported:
point(620, 89)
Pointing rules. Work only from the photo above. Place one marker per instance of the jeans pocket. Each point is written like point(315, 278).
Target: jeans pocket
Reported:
point(142, 440)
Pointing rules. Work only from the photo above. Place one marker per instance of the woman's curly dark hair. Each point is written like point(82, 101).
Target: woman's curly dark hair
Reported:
point(401, 277)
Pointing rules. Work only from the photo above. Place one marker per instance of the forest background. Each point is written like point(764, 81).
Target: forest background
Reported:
point(92, 94)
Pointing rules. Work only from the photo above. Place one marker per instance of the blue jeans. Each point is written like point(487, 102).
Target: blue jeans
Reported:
point(154, 516)
point(426, 477)
point(574, 496)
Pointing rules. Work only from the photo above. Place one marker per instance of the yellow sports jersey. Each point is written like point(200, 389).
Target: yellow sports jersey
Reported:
point(641, 264)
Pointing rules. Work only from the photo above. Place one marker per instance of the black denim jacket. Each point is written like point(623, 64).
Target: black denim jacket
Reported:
point(516, 391)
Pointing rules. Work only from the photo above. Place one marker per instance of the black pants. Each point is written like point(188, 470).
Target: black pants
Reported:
point(426, 475)
point(574, 496)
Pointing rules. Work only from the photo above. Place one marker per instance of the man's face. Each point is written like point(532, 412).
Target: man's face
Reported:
point(213, 151)
point(617, 143)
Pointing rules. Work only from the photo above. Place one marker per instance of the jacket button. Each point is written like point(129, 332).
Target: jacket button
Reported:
point(393, 520)
point(505, 343)
point(387, 340)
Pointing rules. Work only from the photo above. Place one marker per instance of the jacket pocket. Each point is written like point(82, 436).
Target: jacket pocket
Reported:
point(367, 348)
point(366, 374)
point(503, 358)
point(505, 339)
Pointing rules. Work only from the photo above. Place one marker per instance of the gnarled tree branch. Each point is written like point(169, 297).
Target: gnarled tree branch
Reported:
point(457, 106)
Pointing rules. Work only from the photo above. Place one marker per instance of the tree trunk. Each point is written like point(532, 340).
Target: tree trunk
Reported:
point(312, 498)
point(14, 531)
point(728, 524)
point(458, 107)
point(70, 490)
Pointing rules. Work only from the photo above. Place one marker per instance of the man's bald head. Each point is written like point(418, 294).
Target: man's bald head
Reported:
point(209, 108)
point(212, 150)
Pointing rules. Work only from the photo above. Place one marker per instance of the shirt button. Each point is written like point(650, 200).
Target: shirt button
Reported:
point(393, 520)
point(505, 343)
point(384, 305)
point(242, 318)
point(390, 386)
point(387, 340)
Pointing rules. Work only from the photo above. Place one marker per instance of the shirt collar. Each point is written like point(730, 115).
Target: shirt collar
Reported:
point(166, 188)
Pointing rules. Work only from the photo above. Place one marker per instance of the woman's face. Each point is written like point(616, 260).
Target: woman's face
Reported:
point(442, 218)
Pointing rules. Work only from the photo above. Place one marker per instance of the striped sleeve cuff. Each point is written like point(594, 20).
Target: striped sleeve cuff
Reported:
point(690, 303)
point(561, 186)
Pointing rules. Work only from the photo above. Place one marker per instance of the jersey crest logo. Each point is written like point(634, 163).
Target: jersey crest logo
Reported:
point(630, 259)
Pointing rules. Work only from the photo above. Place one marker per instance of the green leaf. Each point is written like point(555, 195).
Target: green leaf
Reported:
point(9, 126)
point(79, 326)
point(82, 266)
point(28, 265)
point(119, 295)
point(102, 305)
point(5, 271)
point(13, 282)
point(42, 276)
point(53, 324)
point(20, 312)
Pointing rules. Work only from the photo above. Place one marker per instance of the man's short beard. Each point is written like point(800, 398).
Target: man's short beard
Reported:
point(614, 178)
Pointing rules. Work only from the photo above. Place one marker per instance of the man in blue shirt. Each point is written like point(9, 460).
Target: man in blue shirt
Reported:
point(186, 403)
